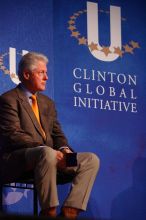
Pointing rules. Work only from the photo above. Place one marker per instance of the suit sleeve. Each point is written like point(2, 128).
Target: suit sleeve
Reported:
point(12, 136)
point(59, 138)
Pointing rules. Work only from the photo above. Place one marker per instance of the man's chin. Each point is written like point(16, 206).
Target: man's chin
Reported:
point(42, 88)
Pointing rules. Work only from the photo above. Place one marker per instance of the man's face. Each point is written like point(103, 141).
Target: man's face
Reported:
point(36, 80)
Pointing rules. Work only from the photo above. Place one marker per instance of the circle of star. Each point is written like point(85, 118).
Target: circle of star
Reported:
point(4, 68)
point(127, 48)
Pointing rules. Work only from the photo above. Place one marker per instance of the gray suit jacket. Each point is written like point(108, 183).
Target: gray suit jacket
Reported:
point(19, 127)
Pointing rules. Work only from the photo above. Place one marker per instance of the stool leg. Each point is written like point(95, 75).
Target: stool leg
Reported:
point(1, 198)
point(35, 202)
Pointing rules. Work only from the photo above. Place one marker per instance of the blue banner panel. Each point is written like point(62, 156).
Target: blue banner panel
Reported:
point(99, 80)
point(97, 65)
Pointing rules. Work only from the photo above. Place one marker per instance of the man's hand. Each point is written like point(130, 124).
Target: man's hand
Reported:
point(66, 150)
point(61, 160)
point(59, 155)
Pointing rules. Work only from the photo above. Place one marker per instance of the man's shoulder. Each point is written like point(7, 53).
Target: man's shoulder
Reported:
point(8, 94)
point(46, 98)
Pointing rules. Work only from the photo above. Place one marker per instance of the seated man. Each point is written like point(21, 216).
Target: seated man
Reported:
point(31, 139)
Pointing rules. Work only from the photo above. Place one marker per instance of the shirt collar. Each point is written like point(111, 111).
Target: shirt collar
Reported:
point(26, 91)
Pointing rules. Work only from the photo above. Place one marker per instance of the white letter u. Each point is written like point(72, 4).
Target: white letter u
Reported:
point(93, 35)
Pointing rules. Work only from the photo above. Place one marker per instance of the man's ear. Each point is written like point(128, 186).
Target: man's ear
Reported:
point(26, 75)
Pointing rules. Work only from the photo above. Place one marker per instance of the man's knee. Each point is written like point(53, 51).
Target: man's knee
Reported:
point(90, 160)
point(48, 155)
point(95, 161)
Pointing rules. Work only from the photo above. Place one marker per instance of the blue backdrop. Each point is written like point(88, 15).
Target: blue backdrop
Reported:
point(97, 79)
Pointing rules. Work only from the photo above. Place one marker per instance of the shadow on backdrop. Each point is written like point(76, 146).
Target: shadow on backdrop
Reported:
point(131, 203)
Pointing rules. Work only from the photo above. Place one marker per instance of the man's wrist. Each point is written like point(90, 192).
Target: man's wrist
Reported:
point(63, 148)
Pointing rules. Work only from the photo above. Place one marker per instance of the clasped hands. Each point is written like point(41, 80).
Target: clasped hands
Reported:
point(61, 157)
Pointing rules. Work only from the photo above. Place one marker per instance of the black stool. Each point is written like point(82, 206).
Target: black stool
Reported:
point(25, 182)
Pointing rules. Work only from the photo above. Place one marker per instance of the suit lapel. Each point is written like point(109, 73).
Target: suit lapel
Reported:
point(27, 107)
point(41, 104)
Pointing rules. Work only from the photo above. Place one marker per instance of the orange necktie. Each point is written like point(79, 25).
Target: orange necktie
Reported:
point(36, 111)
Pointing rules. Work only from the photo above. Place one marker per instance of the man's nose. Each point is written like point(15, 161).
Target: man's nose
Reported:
point(45, 76)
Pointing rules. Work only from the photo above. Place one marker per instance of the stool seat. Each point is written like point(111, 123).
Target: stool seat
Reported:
point(26, 181)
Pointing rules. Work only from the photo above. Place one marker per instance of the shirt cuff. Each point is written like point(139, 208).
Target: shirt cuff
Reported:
point(63, 147)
